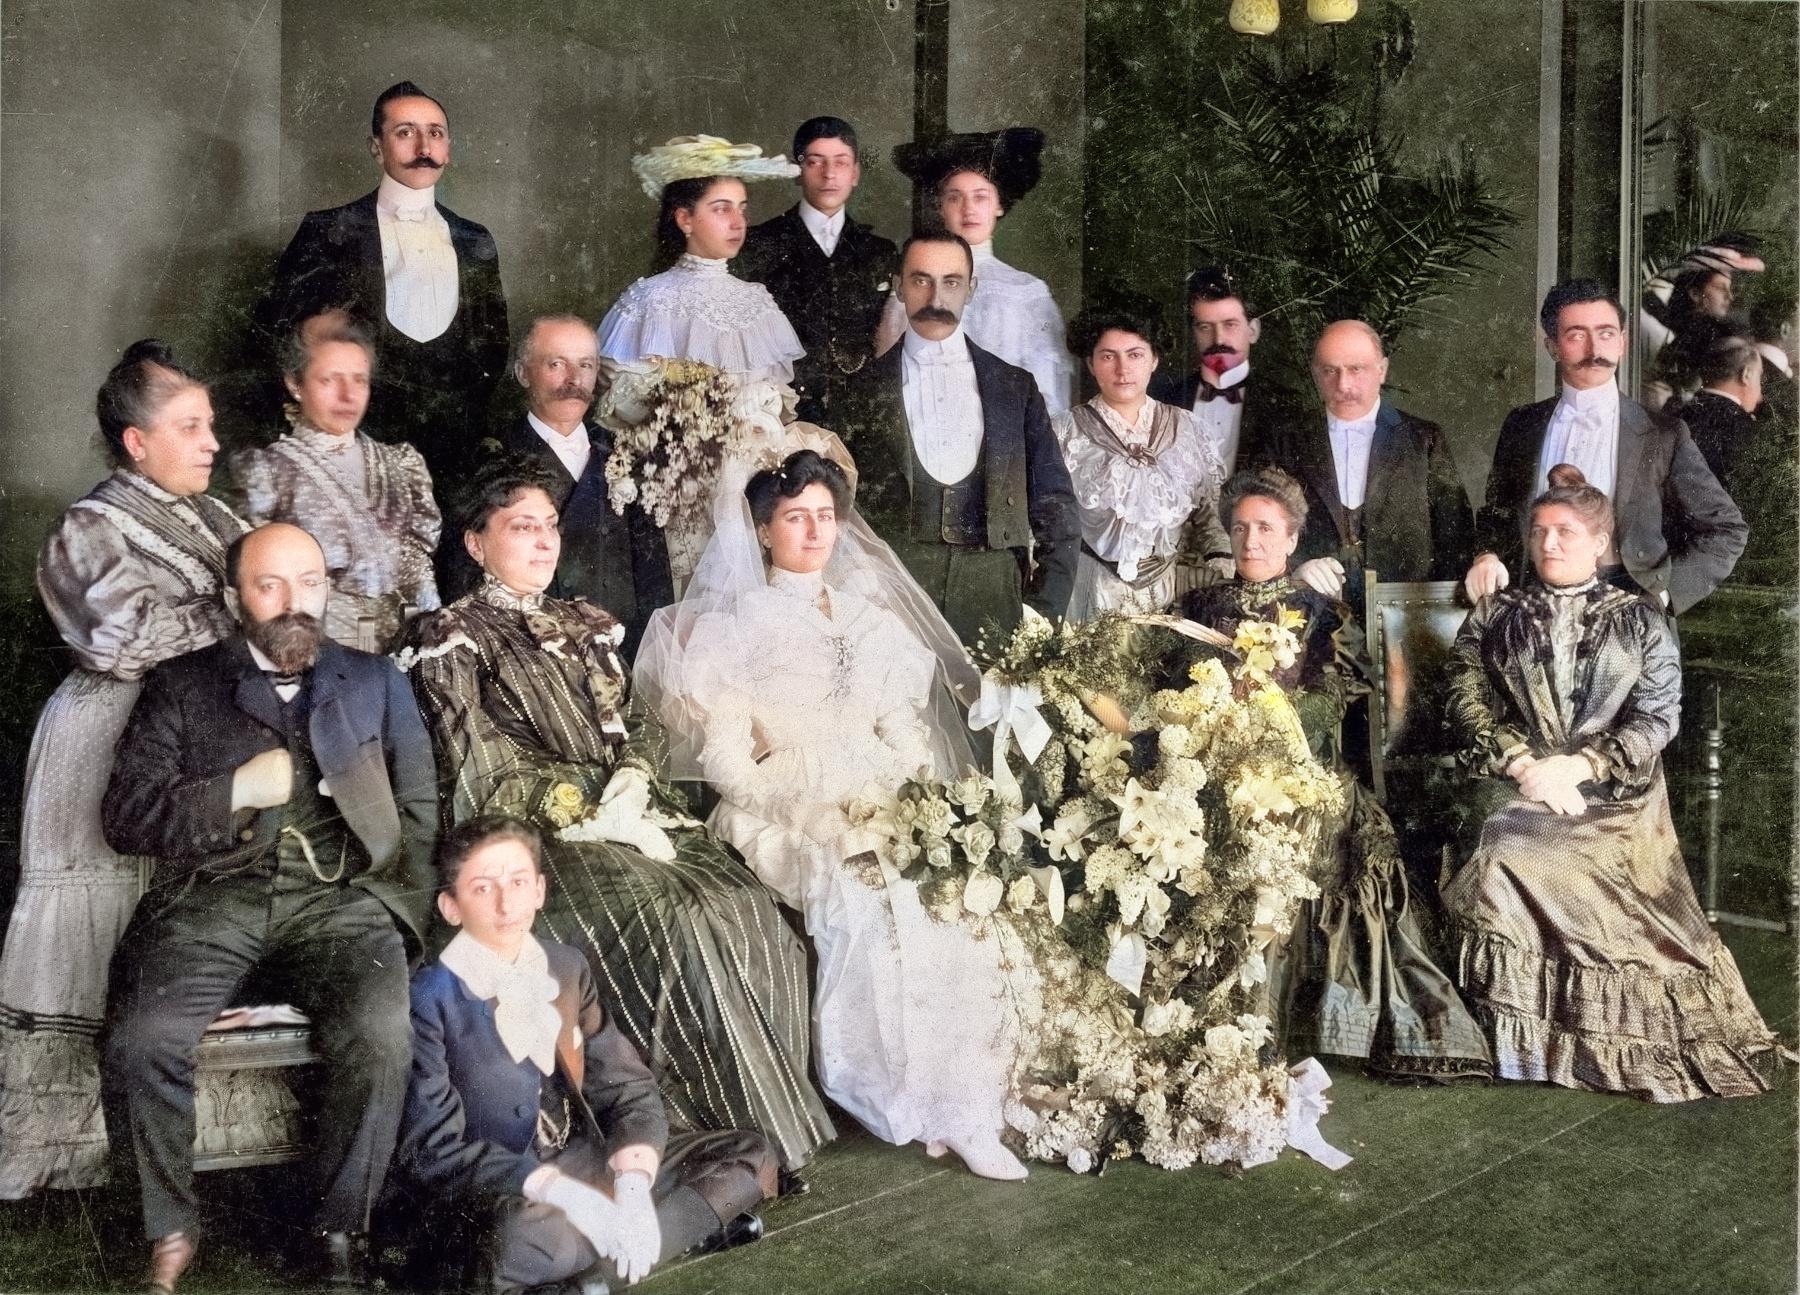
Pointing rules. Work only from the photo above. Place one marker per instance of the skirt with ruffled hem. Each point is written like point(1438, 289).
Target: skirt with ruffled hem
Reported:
point(1355, 977)
point(1584, 950)
point(75, 897)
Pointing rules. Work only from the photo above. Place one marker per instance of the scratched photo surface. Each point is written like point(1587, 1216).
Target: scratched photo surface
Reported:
point(157, 155)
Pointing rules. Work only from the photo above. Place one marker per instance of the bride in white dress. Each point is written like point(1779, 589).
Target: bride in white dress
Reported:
point(790, 683)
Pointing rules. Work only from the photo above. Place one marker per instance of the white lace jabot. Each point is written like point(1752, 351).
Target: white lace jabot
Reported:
point(698, 310)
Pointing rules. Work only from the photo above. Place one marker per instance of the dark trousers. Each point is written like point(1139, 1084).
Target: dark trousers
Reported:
point(974, 587)
point(706, 1180)
point(331, 951)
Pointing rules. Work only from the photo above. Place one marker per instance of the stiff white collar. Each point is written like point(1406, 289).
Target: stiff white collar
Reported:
point(817, 223)
point(551, 435)
point(1363, 422)
point(925, 351)
point(523, 993)
point(394, 196)
point(1234, 375)
point(1596, 402)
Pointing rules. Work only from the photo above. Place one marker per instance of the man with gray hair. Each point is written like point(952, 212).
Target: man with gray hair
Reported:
point(1382, 491)
point(619, 562)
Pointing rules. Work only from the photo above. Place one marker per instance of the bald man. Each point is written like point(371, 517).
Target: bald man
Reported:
point(1382, 491)
point(284, 786)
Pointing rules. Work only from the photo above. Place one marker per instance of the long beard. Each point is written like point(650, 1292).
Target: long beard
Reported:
point(290, 640)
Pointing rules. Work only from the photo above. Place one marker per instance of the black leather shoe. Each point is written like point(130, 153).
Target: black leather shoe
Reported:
point(790, 1183)
point(741, 1231)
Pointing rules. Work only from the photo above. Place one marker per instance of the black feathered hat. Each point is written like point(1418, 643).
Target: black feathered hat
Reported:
point(1010, 158)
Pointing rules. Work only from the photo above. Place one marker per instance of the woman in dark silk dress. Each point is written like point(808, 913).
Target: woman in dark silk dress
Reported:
point(527, 703)
point(1579, 939)
point(1354, 977)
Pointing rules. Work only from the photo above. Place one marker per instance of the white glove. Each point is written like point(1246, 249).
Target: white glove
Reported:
point(263, 781)
point(587, 1208)
point(1321, 575)
point(623, 817)
point(639, 1232)
point(1487, 576)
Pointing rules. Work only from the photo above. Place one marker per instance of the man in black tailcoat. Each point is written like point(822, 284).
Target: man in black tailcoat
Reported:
point(426, 279)
point(958, 468)
point(830, 275)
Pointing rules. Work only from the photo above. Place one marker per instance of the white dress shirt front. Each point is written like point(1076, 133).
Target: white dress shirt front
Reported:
point(417, 259)
point(1584, 431)
point(1223, 420)
point(943, 404)
point(1351, 441)
point(574, 449)
point(824, 229)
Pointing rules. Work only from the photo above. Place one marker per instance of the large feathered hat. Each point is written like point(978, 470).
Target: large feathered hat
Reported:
point(1010, 158)
point(694, 157)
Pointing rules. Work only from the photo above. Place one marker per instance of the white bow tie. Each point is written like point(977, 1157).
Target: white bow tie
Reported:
point(410, 214)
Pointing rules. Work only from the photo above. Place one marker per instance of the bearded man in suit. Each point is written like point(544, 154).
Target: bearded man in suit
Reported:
point(285, 787)
point(1382, 491)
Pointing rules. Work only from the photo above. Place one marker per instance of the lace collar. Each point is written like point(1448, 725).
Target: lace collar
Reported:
point(323, 441)
point(804, 585)
point(495, 594)
point(701, 264)
point(138, 481)
point(1570, 591)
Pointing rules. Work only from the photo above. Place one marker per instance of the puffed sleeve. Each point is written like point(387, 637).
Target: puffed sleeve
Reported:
point(1474, 705)
point(107, 606)
point(1632, 744)
point(424, 525)
point(491, 772)
point(251, 486)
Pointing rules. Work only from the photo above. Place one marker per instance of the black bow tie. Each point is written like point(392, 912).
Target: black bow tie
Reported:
point(279, 680)
point(1232, 395)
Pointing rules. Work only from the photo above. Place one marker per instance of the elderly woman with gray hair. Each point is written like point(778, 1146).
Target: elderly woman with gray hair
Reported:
point(369, 505)
point(1354, 977)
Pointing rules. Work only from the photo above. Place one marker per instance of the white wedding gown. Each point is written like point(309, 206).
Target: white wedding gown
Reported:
point(915, 1021)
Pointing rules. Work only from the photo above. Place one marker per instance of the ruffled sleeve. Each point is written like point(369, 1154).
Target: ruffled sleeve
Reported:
point(110, 609)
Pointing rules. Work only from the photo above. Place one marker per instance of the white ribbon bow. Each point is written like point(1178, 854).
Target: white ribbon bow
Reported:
point(1306, 1102)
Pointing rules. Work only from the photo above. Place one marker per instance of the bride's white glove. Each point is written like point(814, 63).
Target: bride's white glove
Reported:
point(623, 817)
point(588, 1210)
point(823, 824)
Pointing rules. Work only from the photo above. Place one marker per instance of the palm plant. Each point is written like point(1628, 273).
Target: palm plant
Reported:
point(1307, 202)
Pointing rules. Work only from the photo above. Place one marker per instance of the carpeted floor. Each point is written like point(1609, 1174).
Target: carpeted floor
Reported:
point(1514, 1188)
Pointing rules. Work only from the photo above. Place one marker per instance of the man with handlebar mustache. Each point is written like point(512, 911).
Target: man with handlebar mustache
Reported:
point(1678, 532)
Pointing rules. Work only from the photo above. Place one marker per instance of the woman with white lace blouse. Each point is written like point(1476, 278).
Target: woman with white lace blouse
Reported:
point(1146, 477)
point(696, 309)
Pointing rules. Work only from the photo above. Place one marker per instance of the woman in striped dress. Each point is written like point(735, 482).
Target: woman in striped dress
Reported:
point(527, 702)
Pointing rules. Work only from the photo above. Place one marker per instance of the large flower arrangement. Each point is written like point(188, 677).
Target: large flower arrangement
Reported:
point(672, 424)
point(1156, 842)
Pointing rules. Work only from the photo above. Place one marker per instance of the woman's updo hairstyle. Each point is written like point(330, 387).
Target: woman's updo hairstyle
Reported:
point(496, 483)
point(1265, 483)
point(678, 195)
point(799, 470)
point(1570, 489)
point(334, 324)
point(146, 377)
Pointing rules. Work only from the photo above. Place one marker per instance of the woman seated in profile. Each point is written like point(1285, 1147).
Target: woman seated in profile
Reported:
point(1146, 478)
point(369, 505)
point(803, 665)
point(529, 711)
point(1580, 941)
point(695, 308)
point(1354, 977)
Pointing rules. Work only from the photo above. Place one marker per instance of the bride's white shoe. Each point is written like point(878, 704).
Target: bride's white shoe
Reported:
point(987, 1158)
point(936, 1150)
